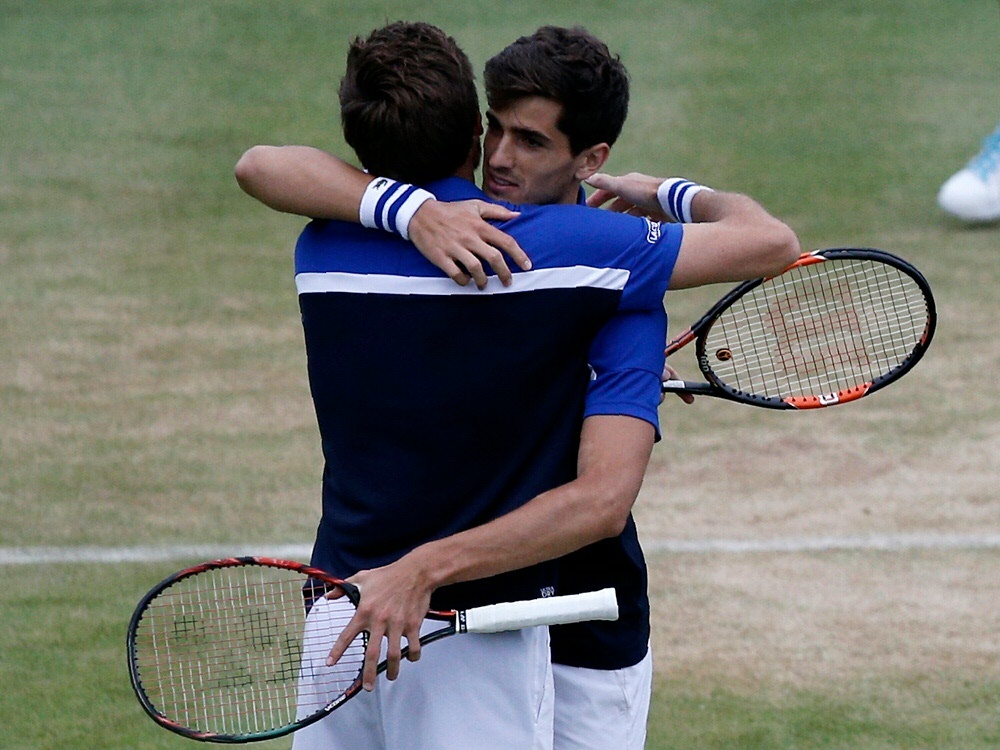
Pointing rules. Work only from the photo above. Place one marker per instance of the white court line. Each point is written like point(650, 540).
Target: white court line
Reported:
point(195, 553)
point(889, 542)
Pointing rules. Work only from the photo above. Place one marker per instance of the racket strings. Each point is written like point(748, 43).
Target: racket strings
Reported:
point(232, 651)
point(818, 329)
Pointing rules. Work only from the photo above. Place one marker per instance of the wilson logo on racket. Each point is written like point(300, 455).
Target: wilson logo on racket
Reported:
point(835, 326)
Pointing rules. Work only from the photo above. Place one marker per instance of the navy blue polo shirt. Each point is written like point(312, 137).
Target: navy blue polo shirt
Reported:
point(442, 407)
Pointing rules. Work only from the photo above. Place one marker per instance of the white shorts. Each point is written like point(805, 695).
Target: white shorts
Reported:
point(481, 691)
point(597, 709)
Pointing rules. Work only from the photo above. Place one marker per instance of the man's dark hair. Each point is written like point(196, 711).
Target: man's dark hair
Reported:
point(572, 68)
point(408, 102)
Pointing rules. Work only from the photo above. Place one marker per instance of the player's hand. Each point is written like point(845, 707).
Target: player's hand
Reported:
point(394, 600)
point(456, 238)
point(669, 373)
point(633, 194)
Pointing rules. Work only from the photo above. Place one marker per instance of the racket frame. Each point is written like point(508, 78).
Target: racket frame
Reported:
point(699, 330)
point(329, 583)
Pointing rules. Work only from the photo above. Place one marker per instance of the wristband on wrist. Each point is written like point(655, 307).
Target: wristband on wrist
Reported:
point(389, 205)
point(675, 195)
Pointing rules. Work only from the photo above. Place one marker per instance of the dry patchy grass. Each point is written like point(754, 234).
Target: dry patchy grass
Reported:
point(816, 621)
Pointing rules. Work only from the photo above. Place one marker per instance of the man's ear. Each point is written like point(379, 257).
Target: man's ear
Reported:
point(590, 160)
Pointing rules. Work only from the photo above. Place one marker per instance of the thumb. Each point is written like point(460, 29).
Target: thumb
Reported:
point(601, 181)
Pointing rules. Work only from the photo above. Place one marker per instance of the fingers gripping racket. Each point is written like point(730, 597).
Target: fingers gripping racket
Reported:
point(235, 650)
point(833, 327)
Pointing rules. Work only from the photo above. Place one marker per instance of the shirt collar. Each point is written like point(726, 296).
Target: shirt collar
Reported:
point(455, 189)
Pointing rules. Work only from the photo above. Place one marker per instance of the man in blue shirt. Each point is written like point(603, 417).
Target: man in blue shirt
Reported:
point(555, 506)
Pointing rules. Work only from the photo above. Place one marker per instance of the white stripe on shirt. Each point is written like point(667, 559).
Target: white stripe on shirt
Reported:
point(571, 277)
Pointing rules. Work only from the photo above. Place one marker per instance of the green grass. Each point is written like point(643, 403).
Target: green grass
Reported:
point(64, 664)
point(876, 716)
point(152, 383)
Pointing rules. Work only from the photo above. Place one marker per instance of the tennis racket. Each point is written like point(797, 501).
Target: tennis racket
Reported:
point(833, 327)
point(224, 651)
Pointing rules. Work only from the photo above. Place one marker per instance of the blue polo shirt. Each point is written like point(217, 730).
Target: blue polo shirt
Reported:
point(442, 407)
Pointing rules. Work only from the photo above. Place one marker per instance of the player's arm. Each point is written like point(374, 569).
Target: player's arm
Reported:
point(302, 180)
point(310, 182)
point(614, 451)
point(727, 236)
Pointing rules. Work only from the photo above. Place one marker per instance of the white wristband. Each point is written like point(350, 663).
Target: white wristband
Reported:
point(675, 195)
point(389, 205)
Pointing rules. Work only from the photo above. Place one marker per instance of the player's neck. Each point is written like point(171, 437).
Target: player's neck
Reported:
point(572, 195)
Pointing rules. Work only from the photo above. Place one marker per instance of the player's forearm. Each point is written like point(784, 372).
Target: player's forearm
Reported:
point(774, 245)
point(727, 236)
point(732, 238)
point(302, 180)
point(614, 452)
point(545, 529)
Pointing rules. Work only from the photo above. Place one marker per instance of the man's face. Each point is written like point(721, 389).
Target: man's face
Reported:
point(527, 159)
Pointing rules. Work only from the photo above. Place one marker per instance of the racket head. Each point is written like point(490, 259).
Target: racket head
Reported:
point(222, 651)
point(837, 325)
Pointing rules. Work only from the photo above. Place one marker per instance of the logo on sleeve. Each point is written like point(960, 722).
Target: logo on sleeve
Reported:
point(653, 229)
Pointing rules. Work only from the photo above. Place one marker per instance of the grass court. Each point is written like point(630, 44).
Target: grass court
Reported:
point(153, 380)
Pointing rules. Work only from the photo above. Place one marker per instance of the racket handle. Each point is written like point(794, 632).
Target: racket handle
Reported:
point(685, 386)
point(554, 610)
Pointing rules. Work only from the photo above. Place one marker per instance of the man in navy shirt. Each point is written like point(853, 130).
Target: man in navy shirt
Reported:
point(546, 327)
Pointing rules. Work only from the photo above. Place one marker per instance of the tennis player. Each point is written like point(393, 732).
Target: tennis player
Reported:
point(620, 418)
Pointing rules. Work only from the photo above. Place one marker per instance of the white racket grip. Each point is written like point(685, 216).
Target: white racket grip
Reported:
point(554, 610)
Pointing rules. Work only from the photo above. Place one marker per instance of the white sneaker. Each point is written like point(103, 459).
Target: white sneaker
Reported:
point(973, 193)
